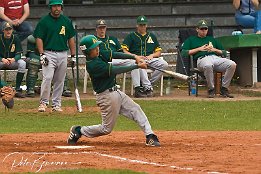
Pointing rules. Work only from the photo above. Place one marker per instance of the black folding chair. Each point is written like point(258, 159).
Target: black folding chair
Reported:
point(188, 66)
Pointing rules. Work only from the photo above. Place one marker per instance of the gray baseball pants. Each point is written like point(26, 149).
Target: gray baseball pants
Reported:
point(20, 65)
point(112, 104)
point(212, 63)
point(157, 63)
point(134, 73)
point(54, 72)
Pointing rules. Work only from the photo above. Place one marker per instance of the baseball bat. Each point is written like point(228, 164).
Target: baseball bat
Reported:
point(76, 92)
point(174, 74)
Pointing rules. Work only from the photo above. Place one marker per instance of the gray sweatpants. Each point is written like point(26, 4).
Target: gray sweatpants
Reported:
point(212, 63)
point(112, 104)
point(20, 65)
point(54, 72)
point(139, 76)
point(157, 63)
point(134, 73)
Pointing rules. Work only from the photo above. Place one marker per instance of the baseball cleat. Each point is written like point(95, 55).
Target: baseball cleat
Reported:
point(57, 109)
point(149, 92)
point(152, 140)
point(74, 135)
point(42, 107)
point(67, 93)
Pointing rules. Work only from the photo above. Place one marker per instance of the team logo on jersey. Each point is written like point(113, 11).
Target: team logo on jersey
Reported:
point(13, 48)
point(150, 40)
point(112, 42)
point(62, 32)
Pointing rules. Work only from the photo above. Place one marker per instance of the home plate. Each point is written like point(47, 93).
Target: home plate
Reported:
point(73, 147)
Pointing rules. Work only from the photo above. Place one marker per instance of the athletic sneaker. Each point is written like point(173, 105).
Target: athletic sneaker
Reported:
point(75, 134)
point(152, 140)
point(30, 94)
point(224, 93)
point(42, 107)
point(139, 92)
point(67, 93)
point(19, 94)
point(211, 93)
point(149, 92)
point(57, 109)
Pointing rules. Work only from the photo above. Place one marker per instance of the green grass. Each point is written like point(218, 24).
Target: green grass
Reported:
point(163, 115)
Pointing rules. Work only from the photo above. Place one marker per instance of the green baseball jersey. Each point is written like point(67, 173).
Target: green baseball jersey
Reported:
point(103, 73)
point(195, 42)
point(55, 32)
point(142, 45)
point(100, 72)
point(109, 43)
point(10, 47)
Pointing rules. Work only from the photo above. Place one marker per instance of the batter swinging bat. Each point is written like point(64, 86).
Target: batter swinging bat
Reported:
point(76, 92)
point(174, 74)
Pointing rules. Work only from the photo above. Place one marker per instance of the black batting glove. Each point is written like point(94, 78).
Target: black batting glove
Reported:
point(71, 61)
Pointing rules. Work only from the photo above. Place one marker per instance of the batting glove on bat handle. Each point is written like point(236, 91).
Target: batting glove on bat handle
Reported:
point(72, 61)
point(43, 59)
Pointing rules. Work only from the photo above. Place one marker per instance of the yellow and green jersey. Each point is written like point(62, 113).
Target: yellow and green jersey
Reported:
point(109, 43)
point(10, 47)
point(142, 45)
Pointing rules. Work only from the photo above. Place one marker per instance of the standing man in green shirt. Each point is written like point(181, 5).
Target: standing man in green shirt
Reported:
point(210, 56)
point(10, 55)
point(110, 43)
point(144, 43)
point(53, 34)
point(33, 64)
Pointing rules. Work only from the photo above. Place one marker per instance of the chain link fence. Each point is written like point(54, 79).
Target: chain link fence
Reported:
point(166, 37)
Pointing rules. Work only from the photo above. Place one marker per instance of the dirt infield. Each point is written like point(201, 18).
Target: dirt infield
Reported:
point(181, 152)
point(212, 152)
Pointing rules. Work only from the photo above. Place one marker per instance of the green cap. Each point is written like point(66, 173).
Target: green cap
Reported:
point(142, 20)
point(55, 2)
point(202, 24)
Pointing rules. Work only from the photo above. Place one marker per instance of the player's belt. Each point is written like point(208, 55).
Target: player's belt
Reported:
point(56, 50)
point(114, 88)
point(201, 57)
